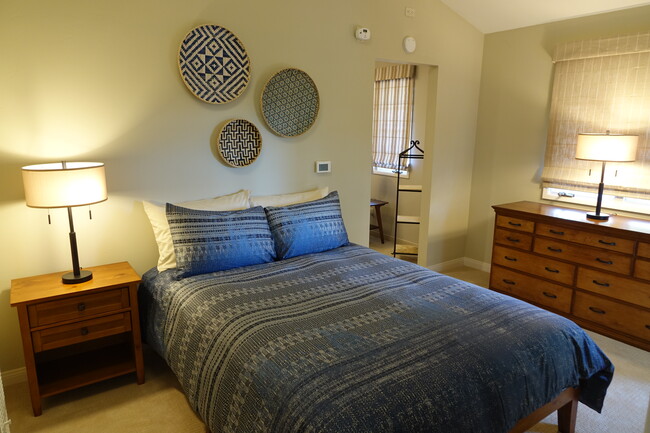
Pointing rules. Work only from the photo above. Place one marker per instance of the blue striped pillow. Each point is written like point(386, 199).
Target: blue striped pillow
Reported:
point(309, 227)
point(210, 241)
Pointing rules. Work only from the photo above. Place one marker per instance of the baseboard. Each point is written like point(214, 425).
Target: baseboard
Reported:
point(475, 264)
point(456, 263)
point(12, 377)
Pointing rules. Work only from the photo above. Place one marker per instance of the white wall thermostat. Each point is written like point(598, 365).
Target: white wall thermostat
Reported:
point(323, 166)
point(362, 33)
point(409, 44)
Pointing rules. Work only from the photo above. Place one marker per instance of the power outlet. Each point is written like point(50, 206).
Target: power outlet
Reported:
point(409, 12)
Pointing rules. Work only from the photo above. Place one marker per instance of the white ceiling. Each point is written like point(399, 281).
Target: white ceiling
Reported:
point(491, 16)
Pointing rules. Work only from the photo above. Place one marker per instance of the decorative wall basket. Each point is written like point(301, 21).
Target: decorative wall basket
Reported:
point(239, 142)
point(214, 64)
point(290, 102)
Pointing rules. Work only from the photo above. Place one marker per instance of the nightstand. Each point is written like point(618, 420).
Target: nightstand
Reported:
point(77, 334)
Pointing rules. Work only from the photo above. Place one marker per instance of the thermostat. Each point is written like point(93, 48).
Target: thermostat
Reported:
point(362, 33)
point(409, 44)
point(323, 166)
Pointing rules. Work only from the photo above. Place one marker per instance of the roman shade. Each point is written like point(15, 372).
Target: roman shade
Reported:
point(598, 86)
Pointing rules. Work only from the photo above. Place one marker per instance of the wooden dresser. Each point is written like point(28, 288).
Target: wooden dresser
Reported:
point(595, 273)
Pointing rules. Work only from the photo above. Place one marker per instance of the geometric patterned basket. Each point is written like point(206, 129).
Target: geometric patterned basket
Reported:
point(290, 102)
point(214, 64)
point(239, 143)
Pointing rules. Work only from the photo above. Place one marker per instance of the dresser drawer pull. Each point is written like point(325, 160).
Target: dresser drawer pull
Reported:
point(81, 306)
point(597, 310)
point(512, 259)
point(549, 295)
point(511, 239)
point(512, 283)
point(555, 271)
point(84, 331)
point(604, 262)
point(647, 326)
point(556, 232)
point(514, 224)
point(555, 250)
point(600, 284)
point(607, 243)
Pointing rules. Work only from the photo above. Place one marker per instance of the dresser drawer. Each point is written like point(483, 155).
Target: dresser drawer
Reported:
point(643, 250)
point(65, 335)
point(642, 269)
point(586, 238)
point(513, 239)
point(608, 260)
point(515, 223)
point(531, 289)
point(624, 318)
point(532, 264)
point(46, 313)
point(622, 288)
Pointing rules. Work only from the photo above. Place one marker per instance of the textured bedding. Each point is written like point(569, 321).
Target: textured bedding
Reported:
point(350, 340)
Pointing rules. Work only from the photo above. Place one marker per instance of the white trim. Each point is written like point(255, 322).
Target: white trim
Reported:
point(456, 263)
point(12, 377)
point(475, 264)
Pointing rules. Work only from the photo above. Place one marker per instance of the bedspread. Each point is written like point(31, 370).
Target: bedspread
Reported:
point(350, 340)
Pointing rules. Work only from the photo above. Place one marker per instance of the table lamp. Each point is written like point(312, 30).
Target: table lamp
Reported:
point(66, 184)
point(606, 148)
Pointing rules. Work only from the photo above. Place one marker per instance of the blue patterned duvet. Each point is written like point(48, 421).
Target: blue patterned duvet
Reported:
point(350, 340)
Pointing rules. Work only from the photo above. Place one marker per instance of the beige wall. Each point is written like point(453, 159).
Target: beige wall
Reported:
point(513, 110)
point(98, 80)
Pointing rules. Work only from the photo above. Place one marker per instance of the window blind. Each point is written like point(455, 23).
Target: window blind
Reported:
point(392, 114)
point(600, 85)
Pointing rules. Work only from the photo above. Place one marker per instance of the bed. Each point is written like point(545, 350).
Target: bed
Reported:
point(349, 340)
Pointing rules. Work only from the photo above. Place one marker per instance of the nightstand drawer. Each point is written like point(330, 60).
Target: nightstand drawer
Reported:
point(531, 289)
point(610, 261)
point(624, 318)
point(622, 288)
point(533, 264)
point(586, 238)
point(78, 332)
point(515, 223)
point(513, 239)
point(46, 313)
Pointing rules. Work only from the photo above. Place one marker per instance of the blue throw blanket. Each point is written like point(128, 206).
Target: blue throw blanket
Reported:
point(350, 340)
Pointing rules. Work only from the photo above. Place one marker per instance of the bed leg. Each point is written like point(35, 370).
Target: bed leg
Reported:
point(566, 417)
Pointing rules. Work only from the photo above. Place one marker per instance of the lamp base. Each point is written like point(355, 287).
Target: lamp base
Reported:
point(598, 217)
point(71, 278)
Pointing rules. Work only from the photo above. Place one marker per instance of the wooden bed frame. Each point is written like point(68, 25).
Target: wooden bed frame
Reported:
point(566, 405)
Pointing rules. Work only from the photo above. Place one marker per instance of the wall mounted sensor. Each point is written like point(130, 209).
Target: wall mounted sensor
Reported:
point(323, 166)
point(362, 34)
point(409, 44)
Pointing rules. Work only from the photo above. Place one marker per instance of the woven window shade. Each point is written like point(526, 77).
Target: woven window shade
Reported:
point(392, 114)
point(598, 86)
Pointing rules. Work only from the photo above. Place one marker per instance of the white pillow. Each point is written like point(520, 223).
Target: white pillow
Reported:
point(158, 219)
point(287, 199)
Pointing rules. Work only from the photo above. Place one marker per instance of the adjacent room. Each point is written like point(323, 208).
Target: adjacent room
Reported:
point(368, 216)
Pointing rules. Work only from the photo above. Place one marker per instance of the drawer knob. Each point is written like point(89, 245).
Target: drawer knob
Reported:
point(600, 284)
point(514, 224)
point(555, 271)
point(512, 259)
point(512, 283)
point(597, 310)
point(647, 326)
point(84, 331)
point(511, 239)
point(555, 250)
point(556, 232)
point(81, 306)
point(604, 262)
point(549, 295)
point(606, 243)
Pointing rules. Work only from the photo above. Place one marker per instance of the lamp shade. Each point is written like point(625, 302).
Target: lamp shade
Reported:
point(607, 147)
point(64, 184)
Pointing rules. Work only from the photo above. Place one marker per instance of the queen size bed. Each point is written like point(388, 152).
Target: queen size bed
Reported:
point(349, 340)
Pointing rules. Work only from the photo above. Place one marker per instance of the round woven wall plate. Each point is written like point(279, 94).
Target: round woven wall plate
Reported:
point(290, 102)
point(214, 64)
point(239, 142)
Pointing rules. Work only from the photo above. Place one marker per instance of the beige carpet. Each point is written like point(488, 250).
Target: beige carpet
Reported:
point(158, 406)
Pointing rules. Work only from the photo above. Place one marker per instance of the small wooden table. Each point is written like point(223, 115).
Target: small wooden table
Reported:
point(377, 204)
point(77, 334)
